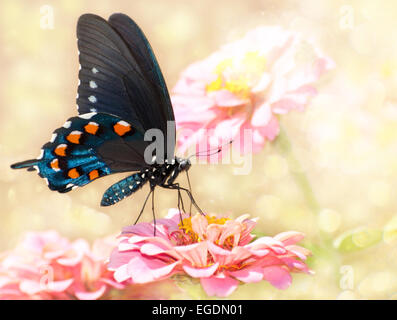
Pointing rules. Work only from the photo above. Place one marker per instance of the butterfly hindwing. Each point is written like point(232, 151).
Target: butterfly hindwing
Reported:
point(72, 159)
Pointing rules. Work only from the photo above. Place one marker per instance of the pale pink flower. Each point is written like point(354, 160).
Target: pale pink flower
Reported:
point(47, 266)
point(247, 84)
point(219, 251)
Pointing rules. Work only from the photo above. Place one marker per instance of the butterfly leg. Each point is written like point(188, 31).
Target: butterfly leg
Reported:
point(180, 202)
point(154, 215)
point(192, 199)
point(181, 198)
point(175, 186)
point(144, 204)
point(190, 190)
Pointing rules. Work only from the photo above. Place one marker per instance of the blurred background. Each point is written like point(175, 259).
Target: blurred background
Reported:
point(345, 141)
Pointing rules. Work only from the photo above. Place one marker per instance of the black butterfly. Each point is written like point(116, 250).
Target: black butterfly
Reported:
point(121, 95)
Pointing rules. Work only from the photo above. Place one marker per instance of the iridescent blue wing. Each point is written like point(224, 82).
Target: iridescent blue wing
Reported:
point(119, 74)
point(73, 156)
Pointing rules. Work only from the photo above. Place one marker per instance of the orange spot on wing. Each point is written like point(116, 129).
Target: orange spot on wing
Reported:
point(73, 173)
point(55, 164)
point(121, 128)
point(61, 150)
point(74, 137)
point(93, 174)
point(91, 127)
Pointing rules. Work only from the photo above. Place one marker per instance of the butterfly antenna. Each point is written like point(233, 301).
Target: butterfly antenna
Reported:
point(210, 152)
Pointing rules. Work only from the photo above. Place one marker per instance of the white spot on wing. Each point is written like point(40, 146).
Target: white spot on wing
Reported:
point(67, 124)
point(94, 70)
point(93, 110)
point(92, 99)
point(69, 185)
point(41, 154)
point(87, 115)
point(123, 123)
point(93, 84)
point(53, 137)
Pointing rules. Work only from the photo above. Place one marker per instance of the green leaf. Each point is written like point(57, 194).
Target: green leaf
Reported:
point(358, 239)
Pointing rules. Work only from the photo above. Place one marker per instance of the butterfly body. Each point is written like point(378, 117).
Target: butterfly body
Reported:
point(162, 175)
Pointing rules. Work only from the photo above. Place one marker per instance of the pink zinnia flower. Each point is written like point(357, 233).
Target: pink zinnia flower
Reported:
point(217, 250)
point(47, 266)
point(246, 85)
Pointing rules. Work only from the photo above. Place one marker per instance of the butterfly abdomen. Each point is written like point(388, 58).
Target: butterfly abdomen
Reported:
point(123, 189)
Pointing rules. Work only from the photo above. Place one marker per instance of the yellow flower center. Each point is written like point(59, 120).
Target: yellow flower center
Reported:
point(186, 225)
point(238, 74)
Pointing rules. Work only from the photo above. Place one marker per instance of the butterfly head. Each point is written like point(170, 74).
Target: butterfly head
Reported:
point(184, 164)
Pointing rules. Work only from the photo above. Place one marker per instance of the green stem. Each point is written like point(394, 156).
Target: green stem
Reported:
point(321, 243)
point(284, 145)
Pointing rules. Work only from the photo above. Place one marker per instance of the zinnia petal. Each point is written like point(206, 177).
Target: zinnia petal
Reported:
point(200, 272)
point(277, 276)
point(91, 295)
point(142, 270)
point(249, 274)
point(220, 286)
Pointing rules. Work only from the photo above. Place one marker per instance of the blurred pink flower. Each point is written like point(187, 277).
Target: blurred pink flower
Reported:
point(47, 266)
point(217, 250)
point(246, 85)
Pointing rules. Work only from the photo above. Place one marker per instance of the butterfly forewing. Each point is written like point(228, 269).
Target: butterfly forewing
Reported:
point(120, 75)
point(104, 61)
point(143, 54)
